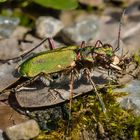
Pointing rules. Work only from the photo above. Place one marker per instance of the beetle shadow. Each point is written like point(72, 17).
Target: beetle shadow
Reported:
point(78, 83)
point(40, 95)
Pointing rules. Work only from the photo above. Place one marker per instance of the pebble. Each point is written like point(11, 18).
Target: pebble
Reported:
point(83, 30)
point(8, 48)
point(20, 32)
point(92, 2)
point(7, 75)
point(48, 26)
point(7, 25)
point(23, 131)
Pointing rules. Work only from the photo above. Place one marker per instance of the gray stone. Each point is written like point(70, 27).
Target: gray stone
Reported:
point(8, 48)
point(7, 25)
point(7, 75)
point(9, 117)
point(23, 131)
point(92, 2)
point(132, 100)
point(1, 135)
point(33, 41)
point(83, 30)
point(20, 32)
point(48, 26)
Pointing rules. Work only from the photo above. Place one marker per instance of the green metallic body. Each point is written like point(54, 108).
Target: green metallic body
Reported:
point(60, 59)
point(49, 62)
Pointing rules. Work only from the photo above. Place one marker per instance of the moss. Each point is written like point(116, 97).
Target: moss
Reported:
point(136, 57)
point(88, 119)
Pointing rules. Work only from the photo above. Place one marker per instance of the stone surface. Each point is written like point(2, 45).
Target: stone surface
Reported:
point(7, 25)
point(131, 71)
point(48, 26)
point(132, 100)
point(47, 118)
point(92, 2)
point(1, 135)
point(8, 48)
point(9, 117)
point(23, 131)
point(20, 32)
point(32, 41)
point(83, 30)
point(7, 75)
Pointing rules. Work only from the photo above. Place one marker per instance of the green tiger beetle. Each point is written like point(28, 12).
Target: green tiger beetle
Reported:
point(71, 59)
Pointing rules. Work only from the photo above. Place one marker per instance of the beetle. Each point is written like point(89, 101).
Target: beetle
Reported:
point(70, 59)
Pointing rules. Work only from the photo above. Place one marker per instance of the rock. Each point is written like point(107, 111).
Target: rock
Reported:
point(92, 2)
point(9, 116)
point(23, 131)
point(48, 26)
point(125, 79)
point(70, 16)
point(88, 135)
point(132, 100)
point(20, 32)
point(48, 118)
point(32, 41)
point(1, 135)
point(7, 75)
point(7, 25)
point(131, 103)
point(83, 30)
point(131, 71)
point(6, 45)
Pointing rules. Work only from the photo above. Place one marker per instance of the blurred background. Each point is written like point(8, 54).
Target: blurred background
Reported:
point(68, 22)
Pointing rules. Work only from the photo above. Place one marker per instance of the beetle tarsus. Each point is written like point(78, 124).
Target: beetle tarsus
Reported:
point(71, 89)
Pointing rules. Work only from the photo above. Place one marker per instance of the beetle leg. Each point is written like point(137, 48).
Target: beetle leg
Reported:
point(21, 57)
point(28, 82)
point(82, 44)
point(98, 44)
point(107, 45)
point(51, 44)
point(96, 91)
point(119, 33)
point(71, 88)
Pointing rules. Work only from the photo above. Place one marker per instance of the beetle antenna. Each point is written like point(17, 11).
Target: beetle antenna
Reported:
point(119, 33)
point(16, 59)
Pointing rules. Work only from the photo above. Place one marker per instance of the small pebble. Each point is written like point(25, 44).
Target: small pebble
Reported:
point(23, 131)
point(83, 30)
point(48, 26)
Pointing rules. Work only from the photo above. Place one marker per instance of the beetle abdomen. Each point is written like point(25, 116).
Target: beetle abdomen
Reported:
point(49, 62)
